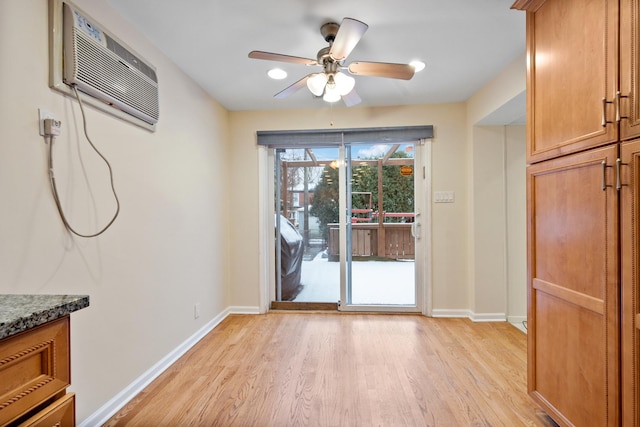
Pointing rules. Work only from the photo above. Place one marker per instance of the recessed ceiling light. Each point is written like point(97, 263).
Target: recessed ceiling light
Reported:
point(417, 65)
point(277, 73)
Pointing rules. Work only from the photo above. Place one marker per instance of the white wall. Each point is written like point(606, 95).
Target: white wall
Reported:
point(165, 252)
point(499, 222)
point(450, 273)
point(502, 100)
point(498, 200)
point(516, 201)
point(489, 217)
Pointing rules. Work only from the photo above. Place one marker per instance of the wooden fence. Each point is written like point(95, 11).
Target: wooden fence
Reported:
point(385, 240)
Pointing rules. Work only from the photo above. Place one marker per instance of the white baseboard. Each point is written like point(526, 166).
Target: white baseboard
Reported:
point(110, 408)
point(438, 312)
point(239, 309)
point(489, 317)
point(476, 317)
point(516, 319)
point(518, 322)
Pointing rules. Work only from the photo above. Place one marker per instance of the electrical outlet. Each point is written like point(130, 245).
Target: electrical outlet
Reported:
point(52, 127)
point(43, 114)
point(196, 311)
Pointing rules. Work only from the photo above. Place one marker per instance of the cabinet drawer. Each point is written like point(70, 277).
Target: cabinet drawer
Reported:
point(34, 367)
point(59, 413)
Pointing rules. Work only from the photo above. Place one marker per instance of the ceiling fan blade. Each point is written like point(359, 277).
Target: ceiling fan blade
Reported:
point(290, 90)
point(348, 36)
point(352, 98)
point(257, 54)
point(382, 69)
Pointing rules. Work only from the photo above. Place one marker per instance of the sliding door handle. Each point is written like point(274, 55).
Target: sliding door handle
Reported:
point(415, 226)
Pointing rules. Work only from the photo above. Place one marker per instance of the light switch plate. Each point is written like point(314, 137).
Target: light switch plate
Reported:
point(444, 197)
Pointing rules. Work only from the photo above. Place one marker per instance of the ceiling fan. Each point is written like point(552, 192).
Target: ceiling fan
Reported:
point(331, 83)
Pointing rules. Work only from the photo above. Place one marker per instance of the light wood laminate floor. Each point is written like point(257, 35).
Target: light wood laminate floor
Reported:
point(316, 369)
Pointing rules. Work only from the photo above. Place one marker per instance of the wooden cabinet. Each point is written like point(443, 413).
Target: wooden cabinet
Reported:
point(583, 74)
point(59, 413)
point(572, 76)
point(573, 287)
point(629, 96)
point(583, 113)
point(35, 373)
point(630, 254)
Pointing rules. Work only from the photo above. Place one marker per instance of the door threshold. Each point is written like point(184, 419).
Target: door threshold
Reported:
point(305, 306)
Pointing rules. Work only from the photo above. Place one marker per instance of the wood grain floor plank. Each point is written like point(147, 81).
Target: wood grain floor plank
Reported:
point(335, 369)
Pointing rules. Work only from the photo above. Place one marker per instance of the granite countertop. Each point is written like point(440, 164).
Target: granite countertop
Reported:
point(19, 313)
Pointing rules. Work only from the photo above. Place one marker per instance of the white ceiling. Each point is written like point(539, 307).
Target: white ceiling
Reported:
point(464, 44)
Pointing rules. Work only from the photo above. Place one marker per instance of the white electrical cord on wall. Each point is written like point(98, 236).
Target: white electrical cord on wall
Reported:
point(52, 180)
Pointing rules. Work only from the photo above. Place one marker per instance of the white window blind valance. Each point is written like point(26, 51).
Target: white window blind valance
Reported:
point(337, 137)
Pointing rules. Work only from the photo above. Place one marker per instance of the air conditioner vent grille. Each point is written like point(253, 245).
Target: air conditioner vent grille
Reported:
point(102, 70)
point(130, 58)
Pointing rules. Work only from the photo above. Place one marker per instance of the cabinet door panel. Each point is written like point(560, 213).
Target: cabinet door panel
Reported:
point(34, 367)
point(561, 380)
point(630, 244)
point(60, 413)
point(572, 67)
point(573, 287)
point(629, 69)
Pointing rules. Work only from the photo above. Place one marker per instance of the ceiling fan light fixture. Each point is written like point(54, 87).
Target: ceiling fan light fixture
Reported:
point(331, 83)
point(344, 84)
point(331, 94)
point(316, 83)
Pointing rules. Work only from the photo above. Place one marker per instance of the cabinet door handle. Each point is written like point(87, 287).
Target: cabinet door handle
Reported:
point(604, 110)
point(619, 116)
point(604, 175)
point(619, 183)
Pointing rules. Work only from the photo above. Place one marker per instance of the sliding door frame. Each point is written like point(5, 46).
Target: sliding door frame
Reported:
point(423, 265)
point(266, 208)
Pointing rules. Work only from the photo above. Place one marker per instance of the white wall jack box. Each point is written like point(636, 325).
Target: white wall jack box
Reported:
point(196, 311)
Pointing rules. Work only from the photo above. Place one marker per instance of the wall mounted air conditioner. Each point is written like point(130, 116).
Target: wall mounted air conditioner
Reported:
point(86, 55)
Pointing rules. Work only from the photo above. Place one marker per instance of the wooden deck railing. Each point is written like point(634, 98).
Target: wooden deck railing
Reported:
point(386, 240)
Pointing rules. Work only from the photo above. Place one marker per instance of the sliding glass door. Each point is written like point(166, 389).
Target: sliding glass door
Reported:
point(348, 225)
point(306, 203)
point(382, 227)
